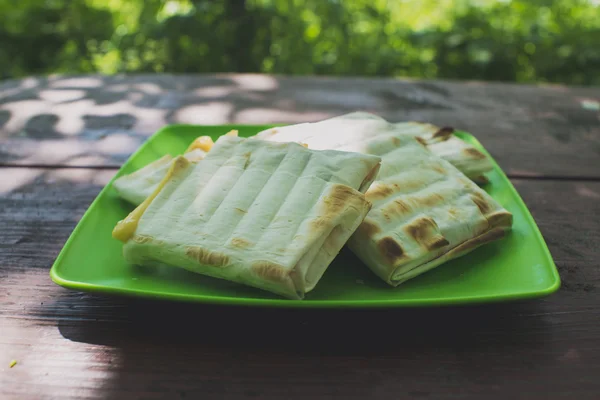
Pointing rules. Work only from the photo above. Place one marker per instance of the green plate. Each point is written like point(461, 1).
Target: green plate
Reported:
point(518, 266)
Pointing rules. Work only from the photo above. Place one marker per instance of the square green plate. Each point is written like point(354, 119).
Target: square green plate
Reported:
point(518, 266)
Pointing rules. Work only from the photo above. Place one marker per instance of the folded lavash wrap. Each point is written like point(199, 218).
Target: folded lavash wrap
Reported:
point(442, 141)
point(264, 214)
point(425, 211)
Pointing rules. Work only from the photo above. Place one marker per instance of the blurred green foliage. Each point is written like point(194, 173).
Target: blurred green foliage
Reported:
point(522, 41)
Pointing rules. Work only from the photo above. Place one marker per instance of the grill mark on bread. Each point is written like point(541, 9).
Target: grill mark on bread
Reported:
point(481, 179)
point(443, 133)
point(425, 231)
point(500, 219)
point(368, 229)
point(206, 257)
point(240, 243)
point(440, 169)
point(146, 239)
point(339, 199)
point(454, 213)
point(319, 223)
point(270, 271)
point(390, 250)
point(370, 176)
point(408, 185)
point(474, 153)
point(413, 199)
point(141, 239)
point(481, 203)
point(247, 163)
point(397, 208)
point(466, 183)
point(422, 141)
point(431, 200)
point(381, 191)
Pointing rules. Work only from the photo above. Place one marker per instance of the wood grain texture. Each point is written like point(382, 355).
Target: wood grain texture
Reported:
point(94, 120)
point(76, 345)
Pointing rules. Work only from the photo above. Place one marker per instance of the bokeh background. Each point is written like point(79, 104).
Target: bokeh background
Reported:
point(518, 41)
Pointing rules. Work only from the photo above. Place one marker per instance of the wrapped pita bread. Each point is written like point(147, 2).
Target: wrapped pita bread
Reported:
point(269, 215)
point(425, 211)
point(441, 141)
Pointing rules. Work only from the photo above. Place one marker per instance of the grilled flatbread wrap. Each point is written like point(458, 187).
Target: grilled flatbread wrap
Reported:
point(440, 140)
point(269, 215)
point(425, 211)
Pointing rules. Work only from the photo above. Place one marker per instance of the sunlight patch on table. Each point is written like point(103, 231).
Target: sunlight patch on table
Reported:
point(61, 95)
point(70, 116)
point(82, 175)
point(82, 82)
point(117, 143)
point(21, 112)
point(57, 151)
point(14, 178)
point(145, 87)
point(585, 191)
point(214, 91)
point(47, 359)
point(255, 82)
point(209, 113)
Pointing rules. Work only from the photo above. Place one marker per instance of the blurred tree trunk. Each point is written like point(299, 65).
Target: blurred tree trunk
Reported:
point(244, 28)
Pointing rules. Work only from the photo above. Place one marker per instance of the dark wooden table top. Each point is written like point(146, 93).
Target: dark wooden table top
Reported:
point(62, 138)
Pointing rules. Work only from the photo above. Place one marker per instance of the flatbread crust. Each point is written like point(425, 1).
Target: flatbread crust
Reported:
point(264, 214)
point(425, 211)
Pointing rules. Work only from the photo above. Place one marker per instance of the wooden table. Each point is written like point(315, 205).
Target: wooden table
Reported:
point(62, 138)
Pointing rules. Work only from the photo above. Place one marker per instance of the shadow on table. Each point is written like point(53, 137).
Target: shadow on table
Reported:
point(185, 348)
